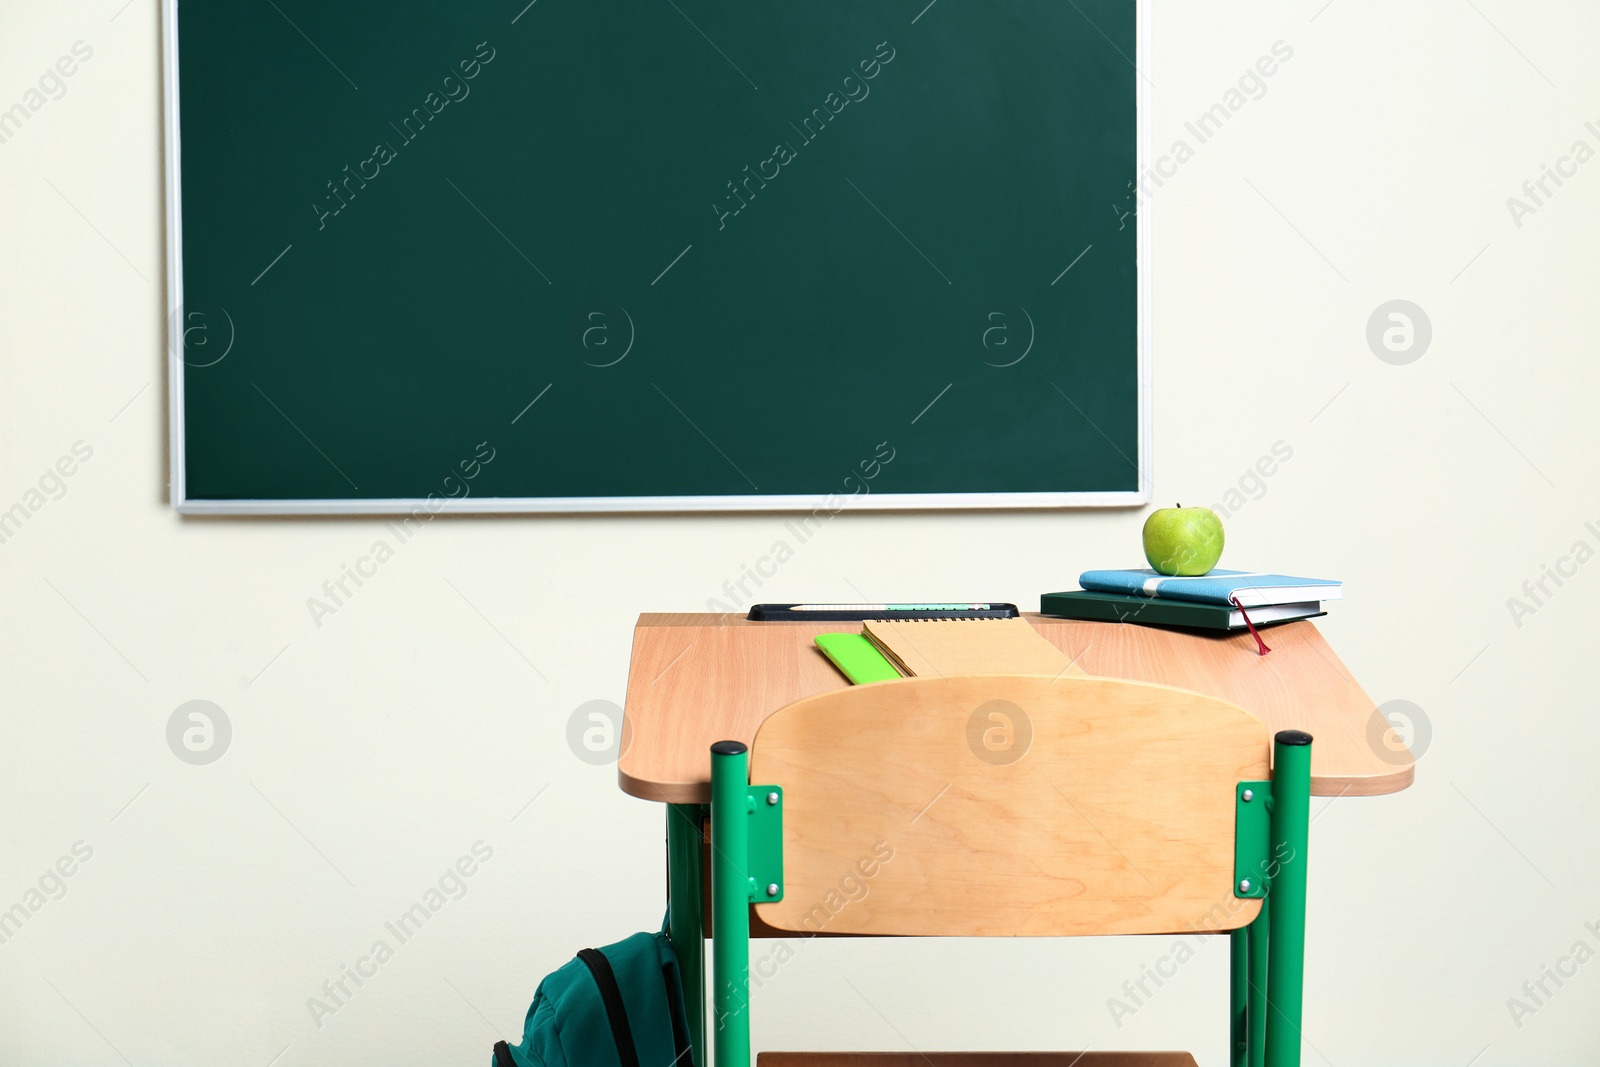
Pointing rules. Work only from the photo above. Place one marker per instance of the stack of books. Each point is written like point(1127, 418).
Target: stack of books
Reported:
point(1220, 600)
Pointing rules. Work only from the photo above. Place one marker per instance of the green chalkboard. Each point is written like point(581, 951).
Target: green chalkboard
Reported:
point(653, 254)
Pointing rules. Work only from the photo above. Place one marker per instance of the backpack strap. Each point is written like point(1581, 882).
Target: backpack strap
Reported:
point(611, 997)
point(502, 1055)
point(680, 1031)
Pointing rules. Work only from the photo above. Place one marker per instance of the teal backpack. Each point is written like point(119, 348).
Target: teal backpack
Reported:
point(620, 1006)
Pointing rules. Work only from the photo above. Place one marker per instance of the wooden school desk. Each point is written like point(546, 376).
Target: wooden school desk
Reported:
point(699, 678)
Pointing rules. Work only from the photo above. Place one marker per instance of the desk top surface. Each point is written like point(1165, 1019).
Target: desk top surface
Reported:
point(697, 678)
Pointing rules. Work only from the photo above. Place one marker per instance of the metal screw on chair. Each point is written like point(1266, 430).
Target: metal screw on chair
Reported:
point(1244, 885)
point(772, 887)
point(772, 798)
point(1248, 795)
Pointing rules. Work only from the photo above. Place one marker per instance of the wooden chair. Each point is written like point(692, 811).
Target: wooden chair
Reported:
point(1009, 805)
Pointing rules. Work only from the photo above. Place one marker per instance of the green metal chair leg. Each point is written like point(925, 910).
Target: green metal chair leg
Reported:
point(685, 919)
point(1286, 941)
point(1256, 1010)
point(730, 903)
point(1238, 984)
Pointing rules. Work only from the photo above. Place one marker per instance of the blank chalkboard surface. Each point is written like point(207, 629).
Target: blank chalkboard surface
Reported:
point(597, 255)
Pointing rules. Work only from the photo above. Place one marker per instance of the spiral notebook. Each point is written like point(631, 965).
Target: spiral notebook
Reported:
point(968, 646)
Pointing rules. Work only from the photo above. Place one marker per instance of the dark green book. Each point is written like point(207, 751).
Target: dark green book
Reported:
point(1152, 611)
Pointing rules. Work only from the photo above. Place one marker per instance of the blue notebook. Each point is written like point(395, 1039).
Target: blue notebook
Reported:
point(1253, 589)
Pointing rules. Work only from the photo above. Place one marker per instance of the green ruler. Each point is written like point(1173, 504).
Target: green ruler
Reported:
point(857, 658)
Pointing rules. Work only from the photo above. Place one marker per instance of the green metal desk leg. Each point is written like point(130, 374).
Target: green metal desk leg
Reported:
point(1256, 1000)
point(730, 904)
point(685, 925)
point(1238, 983)
point(1286, 942)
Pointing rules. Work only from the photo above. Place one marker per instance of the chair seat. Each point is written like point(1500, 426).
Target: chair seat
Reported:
point(975, 1059)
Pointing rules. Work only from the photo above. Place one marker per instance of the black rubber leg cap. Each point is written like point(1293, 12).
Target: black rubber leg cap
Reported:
point(1284, 737)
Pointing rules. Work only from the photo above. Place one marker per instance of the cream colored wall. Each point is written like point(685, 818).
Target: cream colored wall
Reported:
point(372, 752)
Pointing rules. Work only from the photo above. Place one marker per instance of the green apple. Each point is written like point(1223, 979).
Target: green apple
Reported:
point(1183, 541)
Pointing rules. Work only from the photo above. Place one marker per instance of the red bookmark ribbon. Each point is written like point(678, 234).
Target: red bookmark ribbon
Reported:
point(1261, 646)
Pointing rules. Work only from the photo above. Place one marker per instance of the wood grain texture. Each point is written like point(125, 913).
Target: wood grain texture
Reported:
point(1008, 805)
point(696, 678)
point(975, 1059)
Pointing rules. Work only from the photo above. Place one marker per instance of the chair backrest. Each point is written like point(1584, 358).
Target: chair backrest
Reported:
point(1009, 805)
